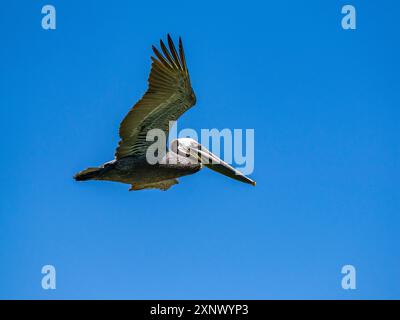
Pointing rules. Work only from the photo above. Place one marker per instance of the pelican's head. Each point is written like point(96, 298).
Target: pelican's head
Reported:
point(195, 152)
point(183, 146)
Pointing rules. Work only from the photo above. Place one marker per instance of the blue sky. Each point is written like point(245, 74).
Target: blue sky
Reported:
point(324, 104)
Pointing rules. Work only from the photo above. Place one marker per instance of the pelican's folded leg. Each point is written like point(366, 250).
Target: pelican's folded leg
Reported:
point(162, 185)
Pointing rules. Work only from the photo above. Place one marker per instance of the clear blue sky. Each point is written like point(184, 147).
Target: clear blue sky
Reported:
point(324, 104)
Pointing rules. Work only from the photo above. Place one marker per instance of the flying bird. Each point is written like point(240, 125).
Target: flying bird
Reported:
point(168, 96)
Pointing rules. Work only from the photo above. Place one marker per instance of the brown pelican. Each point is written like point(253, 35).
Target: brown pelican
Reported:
point(168, 96)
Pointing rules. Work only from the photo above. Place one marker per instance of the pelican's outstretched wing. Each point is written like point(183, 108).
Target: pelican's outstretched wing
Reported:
point(169, 95)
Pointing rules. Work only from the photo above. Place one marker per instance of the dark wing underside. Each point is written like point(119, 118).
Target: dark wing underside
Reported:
point(168, 96)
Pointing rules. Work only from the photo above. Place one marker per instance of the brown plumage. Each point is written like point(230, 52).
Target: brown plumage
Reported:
point(168, 96)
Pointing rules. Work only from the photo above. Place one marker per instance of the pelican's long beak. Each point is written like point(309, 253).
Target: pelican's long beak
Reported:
point(211, 161)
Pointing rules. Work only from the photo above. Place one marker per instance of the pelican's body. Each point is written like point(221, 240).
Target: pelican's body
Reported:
point(142, 175)
point(169, 95)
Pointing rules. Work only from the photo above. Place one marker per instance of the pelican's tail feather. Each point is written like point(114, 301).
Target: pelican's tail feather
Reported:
point(88, 174)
